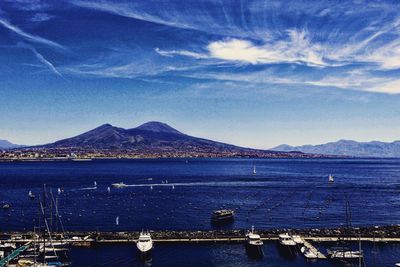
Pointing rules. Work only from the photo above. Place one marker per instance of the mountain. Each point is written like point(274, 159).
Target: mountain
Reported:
point(4, 144)
point(348, 148)
point(154, 139)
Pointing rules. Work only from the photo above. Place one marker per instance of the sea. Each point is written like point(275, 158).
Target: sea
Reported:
point(180, 194)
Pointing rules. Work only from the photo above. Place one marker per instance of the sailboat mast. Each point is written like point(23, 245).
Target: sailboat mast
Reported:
point(44, 219)
point(359, 250)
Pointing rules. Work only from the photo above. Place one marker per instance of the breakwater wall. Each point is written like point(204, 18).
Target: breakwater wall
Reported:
point(390, 233)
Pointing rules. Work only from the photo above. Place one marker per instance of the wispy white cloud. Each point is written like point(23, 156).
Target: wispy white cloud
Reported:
point(47, 63)
point(339, 37)
point(29, 5)
point(130, 10)
point(41, 59)
point(40, 17)
point(296, 50)
point(28, 36)
point(181, 53)
point(388, 87)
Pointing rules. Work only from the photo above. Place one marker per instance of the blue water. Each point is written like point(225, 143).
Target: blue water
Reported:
point(285, 193)
point(206, 255)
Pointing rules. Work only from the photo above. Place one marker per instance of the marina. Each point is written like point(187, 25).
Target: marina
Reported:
point(144, 240)
point(176, 200)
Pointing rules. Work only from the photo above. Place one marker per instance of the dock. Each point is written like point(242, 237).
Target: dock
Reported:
point(89, 238)
point(14, 254)
point(389, 233)
point(313, 249)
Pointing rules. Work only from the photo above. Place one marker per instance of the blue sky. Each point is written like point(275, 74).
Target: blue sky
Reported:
point(252, 73)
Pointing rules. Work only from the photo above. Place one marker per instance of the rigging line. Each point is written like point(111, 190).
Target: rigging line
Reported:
point(57, 213)
point(48, 230)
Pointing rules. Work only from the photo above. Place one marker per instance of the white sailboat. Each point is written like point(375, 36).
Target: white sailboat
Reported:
point(31, 195)
point(254, 170)
point(108, 189)
point(117, 220)
point(330, 178)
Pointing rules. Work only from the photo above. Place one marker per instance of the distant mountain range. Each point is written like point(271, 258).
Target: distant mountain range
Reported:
point(159, 139)
point(4, 144)
point(155, 138)
point(348, 148)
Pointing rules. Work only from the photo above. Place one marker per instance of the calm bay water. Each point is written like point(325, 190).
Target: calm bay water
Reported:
point(284, 193)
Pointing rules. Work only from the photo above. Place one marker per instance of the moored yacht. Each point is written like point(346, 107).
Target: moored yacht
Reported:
point(144, 244)
point(287, 245)
point(308, 253)
point(222, 216)
point(254, 244)
point(345, 254)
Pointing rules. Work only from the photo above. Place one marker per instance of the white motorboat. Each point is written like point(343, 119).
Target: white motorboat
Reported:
point(286, 240)
point(297, 239)
point(254, 244)
point(287, 245)
point(119, 185)
point(308, 253)
point(345, 254)
point(144, 244)
point(7, 245)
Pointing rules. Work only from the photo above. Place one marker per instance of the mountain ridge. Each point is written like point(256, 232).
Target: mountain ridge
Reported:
point(151, 139)
point(5, 144)
point(344, 147)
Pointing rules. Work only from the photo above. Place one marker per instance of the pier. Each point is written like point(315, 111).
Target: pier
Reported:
point(313, 249)
point(86, 239)
point(14, 254)
point(21, 241)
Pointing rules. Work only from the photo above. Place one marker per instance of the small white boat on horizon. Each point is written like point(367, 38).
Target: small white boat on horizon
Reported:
point(330, 178)
point(119, 185)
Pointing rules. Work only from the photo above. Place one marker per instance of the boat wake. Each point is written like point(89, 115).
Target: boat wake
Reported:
point(216, 184)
